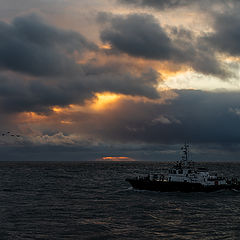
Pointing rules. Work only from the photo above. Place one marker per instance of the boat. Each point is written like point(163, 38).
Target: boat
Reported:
point(184, 177)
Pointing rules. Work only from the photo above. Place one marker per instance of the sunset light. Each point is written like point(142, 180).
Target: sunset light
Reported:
point(105, 100)
point(118, 159)
point(32, 117)
point(106, 46)
point(57, 109)
point(66, 122)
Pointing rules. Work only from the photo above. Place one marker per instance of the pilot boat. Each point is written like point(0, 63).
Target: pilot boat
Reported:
point(184, 177)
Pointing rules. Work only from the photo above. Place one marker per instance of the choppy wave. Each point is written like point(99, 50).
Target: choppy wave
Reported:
point(92, 201)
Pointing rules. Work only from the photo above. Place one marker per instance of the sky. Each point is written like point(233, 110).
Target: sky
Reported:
point(119, 79)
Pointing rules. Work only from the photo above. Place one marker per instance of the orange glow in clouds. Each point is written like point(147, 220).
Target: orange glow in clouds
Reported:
point(57, 109)
point(104, 100)
point(31, 117)
point(98, 103)
point(106, 46)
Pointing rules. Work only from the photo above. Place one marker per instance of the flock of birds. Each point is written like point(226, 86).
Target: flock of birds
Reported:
point(9, 138)
point(10, 134)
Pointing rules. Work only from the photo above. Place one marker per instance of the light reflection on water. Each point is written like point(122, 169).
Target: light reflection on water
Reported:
point(92, 201)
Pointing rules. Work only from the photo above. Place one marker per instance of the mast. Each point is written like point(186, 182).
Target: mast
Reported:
point(185, 157)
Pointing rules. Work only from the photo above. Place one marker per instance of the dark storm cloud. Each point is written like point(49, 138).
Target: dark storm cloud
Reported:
point(115, 79)
point(226, 35)
point(17, 95)
point(31, 46)
point(161, 4)
point(167, 4)
point(197, 116)
point(142, 36)
point(38, 95)
point(203, 117)
point(138, 35)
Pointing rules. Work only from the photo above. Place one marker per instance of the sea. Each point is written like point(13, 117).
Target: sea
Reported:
point(92, 200)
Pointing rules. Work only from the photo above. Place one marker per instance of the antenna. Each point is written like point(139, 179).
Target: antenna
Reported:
point(185, 157)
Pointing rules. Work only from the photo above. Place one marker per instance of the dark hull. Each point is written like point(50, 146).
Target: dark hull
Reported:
point(161, 186)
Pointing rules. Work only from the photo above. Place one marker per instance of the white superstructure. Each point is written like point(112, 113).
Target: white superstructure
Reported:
point(185, 171)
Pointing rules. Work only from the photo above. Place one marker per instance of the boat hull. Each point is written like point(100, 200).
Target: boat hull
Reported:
point(165, 186)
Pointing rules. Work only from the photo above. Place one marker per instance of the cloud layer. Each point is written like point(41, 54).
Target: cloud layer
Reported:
point(66, 94)
point(172, 4)
point(50, 57)
point(226, 35)
point(31, 46)
point(197, 116)
point(142, 36)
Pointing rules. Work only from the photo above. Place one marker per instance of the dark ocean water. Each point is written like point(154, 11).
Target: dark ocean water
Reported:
point(92, 201)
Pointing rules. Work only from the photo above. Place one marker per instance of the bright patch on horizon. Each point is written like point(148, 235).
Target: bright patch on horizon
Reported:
point(118, 159)
point(66, 122)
